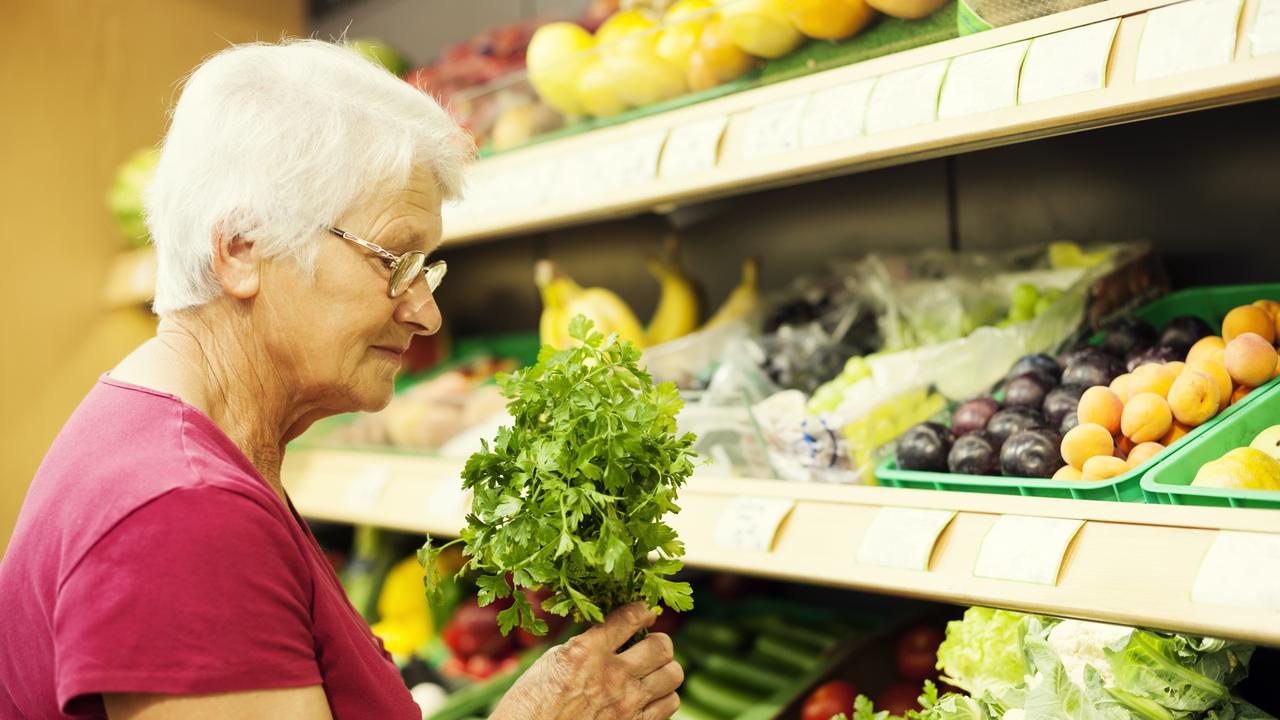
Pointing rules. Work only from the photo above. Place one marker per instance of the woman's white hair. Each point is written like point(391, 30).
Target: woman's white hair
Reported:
point(274, 142)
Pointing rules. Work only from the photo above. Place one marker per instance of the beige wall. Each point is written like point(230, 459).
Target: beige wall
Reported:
point(83, 83)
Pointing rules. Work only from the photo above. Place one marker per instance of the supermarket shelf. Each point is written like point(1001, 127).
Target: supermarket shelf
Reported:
point(568, 181)
point(1129, 563)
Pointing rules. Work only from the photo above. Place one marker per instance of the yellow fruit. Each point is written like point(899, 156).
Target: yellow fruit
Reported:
point(1205, 347)
point(1270, 307)
point(1144, 452)
point(683, 26)
point(1120, 386)
point(1244, 468)
point(1146, 417)
point(401, 597)
point(628, 45)
point(1268, 441)
point(829, 19)
point(679, 309)
point(1194, 398)
point(1216, 371)
point(760, 27)
point(1085, 441)
point(1152, 378)
point(1248, 319)
point(908, 9)
point(742, 302)
point(1103, 467)
point(402, 638)
point(563, 299)
point(557, 52)
point(1249, 358)
point(1066, 472)
point(1100, 406)
point(1176, 432)
point(716, 60)
point(596, 90)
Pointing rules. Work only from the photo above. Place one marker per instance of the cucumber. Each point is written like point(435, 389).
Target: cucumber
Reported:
point(717, 634)
point(720, 696)
point(744, 672)
point(797, 656)
point(820, 640)
point(763, 711)
point(480, 698)
point(690, 710)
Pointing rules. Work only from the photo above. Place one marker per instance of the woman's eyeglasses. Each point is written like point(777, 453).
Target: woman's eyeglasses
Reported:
point(404, 268)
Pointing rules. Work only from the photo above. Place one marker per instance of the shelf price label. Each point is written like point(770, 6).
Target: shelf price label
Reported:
point(1265, 36)
point(693, 147)
point(1241, 569)
point(1191, 35)
point(751, 523)
point(1068, 62)
point(1025, 549)
point(836, 114)
point(630, 162)
point(773, 129)
point(905, 98)
point(982, 81)
point(366, 488)
point(903, 537)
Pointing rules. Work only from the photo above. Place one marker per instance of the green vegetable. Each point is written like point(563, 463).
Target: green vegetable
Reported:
point(690, 710)
point(753, 675)
point(720, 696)
point(715, 634)
point(797, 656)
point(983, 652)
point(571, 496)
point(478, 698)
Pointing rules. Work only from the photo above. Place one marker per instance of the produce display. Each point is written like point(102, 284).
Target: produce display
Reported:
point(1100, 411)
point(1256, 467)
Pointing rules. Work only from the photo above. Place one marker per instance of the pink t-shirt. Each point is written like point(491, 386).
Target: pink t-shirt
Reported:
point(150, 556)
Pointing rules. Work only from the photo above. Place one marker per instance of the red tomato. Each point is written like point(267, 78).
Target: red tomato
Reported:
point(831, 698)
point(481, 667)
point(454, 667)
point(899, 698)
point(917, 652)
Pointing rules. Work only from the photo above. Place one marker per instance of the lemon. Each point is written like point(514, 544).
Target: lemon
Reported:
point(596, 90)
point(557, 53)
point(628, 46)
point(717, 59)
point(827, 19)
point(682, 28)
point(761, 27)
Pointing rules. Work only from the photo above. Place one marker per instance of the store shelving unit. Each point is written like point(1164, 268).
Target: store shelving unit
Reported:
point(1128, 563)
point(1100, 75)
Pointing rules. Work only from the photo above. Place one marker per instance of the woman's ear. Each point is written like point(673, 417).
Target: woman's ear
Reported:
point(236, 264)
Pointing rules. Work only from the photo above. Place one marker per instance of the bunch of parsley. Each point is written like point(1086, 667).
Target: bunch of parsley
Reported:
point(571, 496)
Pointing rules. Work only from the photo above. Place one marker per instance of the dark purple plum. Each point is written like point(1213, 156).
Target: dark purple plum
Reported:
point(1037, 363)
point(1071, 420)
point(1183, 332)
point(1027, 390)
point(1158, 354)
point(1086, 353)
point(1032, 453)
point(973, 415)
point(977, 453)
point(1012, 420)
point(1095, 371)
point(1127, 335)
point(1060, 402)
point(924, 447)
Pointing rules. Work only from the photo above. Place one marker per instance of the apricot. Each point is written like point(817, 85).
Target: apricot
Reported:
point(1123, 447)
point(1144, 452)
point(1177, 366)
point(1120, 386)
point(1250, 359)
point(1205, 345)
point(1103, 467)
point(1176, 431)
point(1084, 441)
point(1239, 394)
point(1153, 378)
point(1219, 374)
point(1100, 406)
point(1248, 319)
point(1194, 398)
point(1146, 417)
point(1270, 307)
point(1066, 472)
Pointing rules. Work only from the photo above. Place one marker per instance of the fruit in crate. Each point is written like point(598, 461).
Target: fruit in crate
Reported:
point(1245, 468)
point(596, 90)
point(563, 299)
point(973, 415)
point(716, 60)
point(679, 310)
point(907, 9)
point(760, 27)
point(627, 44)
point(682, 28)
point(828, 19)
point(1031, 453)
point(1249, 359)
point(1268, 441)
point(557, 53)
point(925, 447)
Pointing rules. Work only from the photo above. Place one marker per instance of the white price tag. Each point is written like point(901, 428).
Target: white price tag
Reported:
point(1068, 62)
point(366, 488)
point(631, 162)
point(1027, 549)
point(905, 98)
point(982, 81)
point(835, 114)
point(1265, 36)
point(751, 523)
point(903, 537)
point(1241, 569)
point(773, 129)
point(1191, 35)
point(693, 147)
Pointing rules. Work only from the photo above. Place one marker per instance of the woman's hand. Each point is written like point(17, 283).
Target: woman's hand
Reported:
point(588, 679)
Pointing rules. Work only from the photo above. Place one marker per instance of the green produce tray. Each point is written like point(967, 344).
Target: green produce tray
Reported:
point(1170, 482)
point(1210, 304)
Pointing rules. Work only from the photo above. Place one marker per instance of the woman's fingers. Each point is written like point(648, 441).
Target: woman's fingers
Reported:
point(662, 708)
point(648, 655)
point(621, 625)
point(663, 681)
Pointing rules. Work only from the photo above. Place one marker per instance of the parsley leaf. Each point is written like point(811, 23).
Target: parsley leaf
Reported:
point(573, 494)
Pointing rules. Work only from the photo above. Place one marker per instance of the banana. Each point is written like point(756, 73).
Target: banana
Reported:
point(742, 302)
point(679, 309)
point(563, 299)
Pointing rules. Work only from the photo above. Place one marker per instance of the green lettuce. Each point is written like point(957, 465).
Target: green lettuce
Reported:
point(983, 652)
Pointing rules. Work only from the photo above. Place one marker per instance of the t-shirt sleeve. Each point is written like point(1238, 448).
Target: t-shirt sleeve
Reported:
point(199, 591)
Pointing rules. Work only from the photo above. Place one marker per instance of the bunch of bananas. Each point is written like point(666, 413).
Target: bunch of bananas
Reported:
point(563, 299)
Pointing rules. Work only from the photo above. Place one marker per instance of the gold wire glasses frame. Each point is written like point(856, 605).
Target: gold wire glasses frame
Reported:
point(404, 268)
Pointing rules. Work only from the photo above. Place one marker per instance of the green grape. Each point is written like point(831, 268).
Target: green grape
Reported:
point(1043, 305)
point(1025, 296)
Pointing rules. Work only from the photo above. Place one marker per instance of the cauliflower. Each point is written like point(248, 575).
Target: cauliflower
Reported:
point(1079, 643)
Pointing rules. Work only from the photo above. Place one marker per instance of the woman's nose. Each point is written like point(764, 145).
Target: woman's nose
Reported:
point(417, 309)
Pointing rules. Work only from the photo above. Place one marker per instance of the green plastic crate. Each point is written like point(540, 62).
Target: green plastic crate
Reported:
point(1210, 304)
point(1170, 482)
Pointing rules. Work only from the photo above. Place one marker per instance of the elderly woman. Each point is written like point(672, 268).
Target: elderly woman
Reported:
point(158, 569)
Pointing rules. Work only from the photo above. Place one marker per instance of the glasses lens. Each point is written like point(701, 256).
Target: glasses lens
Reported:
point(406, 272)
point(435, 274)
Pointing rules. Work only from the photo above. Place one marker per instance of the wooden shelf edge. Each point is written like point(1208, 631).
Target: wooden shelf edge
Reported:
point(1130, 563)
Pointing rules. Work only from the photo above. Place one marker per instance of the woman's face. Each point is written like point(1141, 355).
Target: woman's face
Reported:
point(337, 335)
